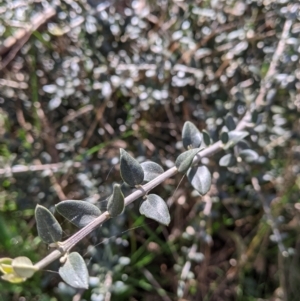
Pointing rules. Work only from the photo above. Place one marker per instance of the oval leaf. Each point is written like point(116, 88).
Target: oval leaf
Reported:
point(206, 137)
point(74, 271)
point(131, 171)
point(184, 160)
point(228, 160)
point(154, 207)
point(248, 155)
point(235, 137)
point(79, 213)
point(116, 202)
point(23, 267)
point(200, 178)
point(230, 123)
point(224, 137)
point(48, 228)
point(191, 136)
point(151, 170)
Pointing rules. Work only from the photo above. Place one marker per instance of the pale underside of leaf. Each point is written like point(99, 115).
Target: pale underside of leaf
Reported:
point(154, 207)
point(79, 213)
point(23, 267)
point(184, 160)
point(200, 178)
point(151, 170)
point(74, 271)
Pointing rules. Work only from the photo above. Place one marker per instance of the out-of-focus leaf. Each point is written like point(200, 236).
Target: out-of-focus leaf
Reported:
point(5, 265)
point(23, 267)
point(116, 204)
point(230, 123)
point(74, 271)
point(191, 136)
point(206, 137)
point(184, 160)
point(131, 171)
point(227, 160)
point(79, 213)
point(151, 170)
point(200, 178)
point(154, 207)
point(224, 137)
point(48, 228)
point(248, 155)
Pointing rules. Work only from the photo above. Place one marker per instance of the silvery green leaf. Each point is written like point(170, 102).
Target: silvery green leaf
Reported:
point(254, 117)
point(235, 137)
point(74, 271)
point(200, 178)
point(49, 230)
point(227, 160)
point(191, 136)
point(154, 207)
point(151, 170)
point(184, 160)
point(116, 204)
point(79, 213)
point(224, 137)
point(131, 171)
point(23, 267)
point(206, 137)
point(230, 123)
point(248, 155)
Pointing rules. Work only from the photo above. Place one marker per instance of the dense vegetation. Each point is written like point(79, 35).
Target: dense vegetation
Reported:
point(82, 79)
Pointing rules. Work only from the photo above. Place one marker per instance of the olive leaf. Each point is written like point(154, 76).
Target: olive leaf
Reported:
point(131, 171)
point(200, 178)
point(230, 123)
point(227, 160)
point(23, 267)
point(191, 136)
point(49, 230)
point(248, 155)
point(206, 137)
point(74, 271)
point(116, 203)
point(154, 207)
point(184, 160)
point(79, 213)
point(151, 170)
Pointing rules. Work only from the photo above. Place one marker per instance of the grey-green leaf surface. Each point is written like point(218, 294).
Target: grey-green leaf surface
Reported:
point(227, 160)
point(74, 271)
point(131, 171)
point(230, 123)
point(79, 213)
point(23, 267)
point(49, 230)
point(248, 155)
point(191, 136)
point(200, 178)
point(151, 170)
point(184, 160)
point(224, 137)
point(154, 207)
point(235, 137)
point(206, 137)
point(116, 203)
